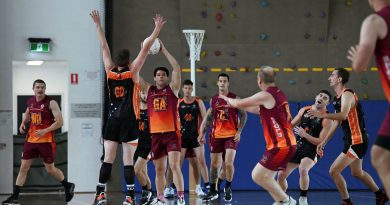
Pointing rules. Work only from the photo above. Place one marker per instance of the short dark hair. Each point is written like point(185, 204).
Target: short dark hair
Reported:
point(123, 58)
point(224, 75)
point(187, 82)
point(343, 73)
point(162, 69)
point(327, 93)
point(38, 81)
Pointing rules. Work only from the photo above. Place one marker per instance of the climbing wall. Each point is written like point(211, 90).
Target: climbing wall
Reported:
point(304, 39)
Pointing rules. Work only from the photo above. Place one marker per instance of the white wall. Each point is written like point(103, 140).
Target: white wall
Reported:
point(74, 40)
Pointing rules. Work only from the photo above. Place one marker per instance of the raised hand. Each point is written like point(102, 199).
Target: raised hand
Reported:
point(95, 17)
point(159, 21)
point(352, 52)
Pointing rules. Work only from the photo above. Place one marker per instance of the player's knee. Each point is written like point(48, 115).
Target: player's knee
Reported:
point(281, 176)
point(50, 169)
point(376, 158)
point(229, 165)
point(333, 172)
point(357, 174)
point(160, 169)
point(303, 172)
point(137, 170)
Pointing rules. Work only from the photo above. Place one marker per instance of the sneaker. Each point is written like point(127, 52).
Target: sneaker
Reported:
point(199, 192)
point(228, 194)
point(100, 199)
point(145, 197)
point(303, 200)
point(12, 200)
point(381, 199)
point(170, 192)
point(128, 201)
point(291, 201)
point(158, 202)
point(69, 192)
point(211, 196)
point(181, 201)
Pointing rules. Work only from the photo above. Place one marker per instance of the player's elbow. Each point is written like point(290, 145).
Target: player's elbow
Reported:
point(359, 66)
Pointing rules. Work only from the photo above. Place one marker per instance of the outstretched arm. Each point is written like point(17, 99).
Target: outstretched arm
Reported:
point(373, 28)
point(260, 98)
point(329, 135)
point(107, 60)
point(347, 102)
point(144, 85)
point(297, 118)
point(143, 53)
point(176, 71)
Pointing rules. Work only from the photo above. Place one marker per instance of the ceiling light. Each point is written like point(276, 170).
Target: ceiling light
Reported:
point(34, 63)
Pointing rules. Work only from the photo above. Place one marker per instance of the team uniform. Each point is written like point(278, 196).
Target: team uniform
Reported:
point(224, 125)
point(41, 117)
point(123, 108)
point(144, 140)
point(164, 121)
point(190, 119)
point(278, 134)
point(313, 127)
point(382, 53)
point(354, 129)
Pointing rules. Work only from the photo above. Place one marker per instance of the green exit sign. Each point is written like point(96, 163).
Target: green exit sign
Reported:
point(39, 47)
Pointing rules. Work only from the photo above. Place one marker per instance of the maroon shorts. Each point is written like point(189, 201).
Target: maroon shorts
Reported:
point(162, 143)
point(219, 145)
point(39, 150)
point(276, 159)
point(190, 153)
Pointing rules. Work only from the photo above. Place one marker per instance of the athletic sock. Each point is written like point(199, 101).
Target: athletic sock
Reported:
point(129, 178)
point(173, 186)
point(65, 183)
point(304, 193)
point(16, 191)
point(145, 188)
point(228, 184)
point(100, 188)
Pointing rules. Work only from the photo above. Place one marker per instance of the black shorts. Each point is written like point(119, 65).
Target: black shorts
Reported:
point(121, 130)
point(189, 143)
point(301, 153)
point(383, 141)
point(356, 151)
point(144, 146)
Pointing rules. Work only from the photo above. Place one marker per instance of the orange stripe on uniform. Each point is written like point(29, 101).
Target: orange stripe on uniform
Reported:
point(386, 87)
point(353, 120)
point(136, 101)
point(119, 76)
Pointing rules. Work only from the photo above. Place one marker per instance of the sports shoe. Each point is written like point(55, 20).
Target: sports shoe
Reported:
point(181, 201)
point(303, 200)
point(291, 201)
point(100, 199)
point(170, 192)
point(159, 202)
point(211, 196)
point(228, 194)
point(382, 198)
point(145, 197)
point(199, 192)
point(128, 201)
point(12, 200)
point(69, 192)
